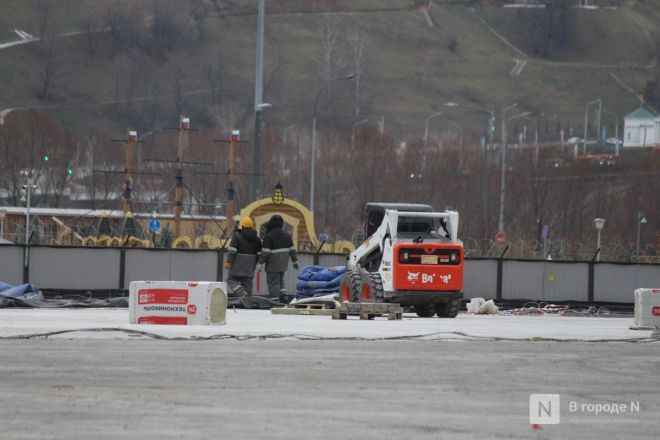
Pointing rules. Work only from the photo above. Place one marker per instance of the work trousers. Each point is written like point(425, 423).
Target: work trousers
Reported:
point(275, 282)
point(240, 286)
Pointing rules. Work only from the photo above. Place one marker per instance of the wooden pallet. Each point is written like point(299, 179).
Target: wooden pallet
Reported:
point(303, 309)
point(368, 310)
point(312, 306)
point(638, 327)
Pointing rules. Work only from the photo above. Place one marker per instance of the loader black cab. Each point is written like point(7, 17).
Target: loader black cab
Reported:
point(375, 212)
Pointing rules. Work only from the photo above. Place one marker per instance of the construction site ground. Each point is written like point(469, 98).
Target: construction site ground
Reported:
point(87, 373)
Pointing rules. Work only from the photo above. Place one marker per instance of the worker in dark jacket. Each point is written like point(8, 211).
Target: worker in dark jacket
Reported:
point(278, 248)
point(242, 257)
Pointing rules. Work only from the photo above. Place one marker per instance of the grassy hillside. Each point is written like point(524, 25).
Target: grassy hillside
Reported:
point(411, 67)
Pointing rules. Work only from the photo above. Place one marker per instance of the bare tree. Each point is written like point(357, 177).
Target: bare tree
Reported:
point(43, 17)
point(114, 18)
point(226, 115)
point(146, 92)
point(328, 58)
point(49, 66)
point(376, 153)
point(358, 42)
point(549, 26)
point(33, 141)
point(13, 158)
point(125, 26)
point(273, 75)
point(215, 75)
point(93, 27)
point(179, 95)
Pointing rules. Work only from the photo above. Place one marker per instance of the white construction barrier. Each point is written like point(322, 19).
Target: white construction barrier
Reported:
point(647, 308)
point(177, 302)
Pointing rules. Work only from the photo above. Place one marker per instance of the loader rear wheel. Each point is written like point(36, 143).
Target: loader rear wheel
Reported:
point(448, 309)
point(349, 290)
point(376, 283)
point(371, 289)
point(425, 311)
point(366, 292)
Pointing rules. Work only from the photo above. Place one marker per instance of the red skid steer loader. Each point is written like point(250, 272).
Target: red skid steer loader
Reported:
point(412, 256)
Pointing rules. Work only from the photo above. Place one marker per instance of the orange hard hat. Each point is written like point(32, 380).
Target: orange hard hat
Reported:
point(246, 223)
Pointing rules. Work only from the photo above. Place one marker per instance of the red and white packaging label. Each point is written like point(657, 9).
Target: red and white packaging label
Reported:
point(177, 302)
point(647, 307)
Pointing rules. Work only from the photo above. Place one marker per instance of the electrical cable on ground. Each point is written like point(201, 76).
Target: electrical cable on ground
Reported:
point(437, 336)
point(543, 308)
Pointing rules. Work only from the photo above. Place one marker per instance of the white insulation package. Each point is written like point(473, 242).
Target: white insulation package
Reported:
point(647, 307)
point(177, 302)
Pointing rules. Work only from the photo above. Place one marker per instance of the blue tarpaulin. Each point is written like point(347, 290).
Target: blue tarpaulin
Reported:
point(9, 291)
point(29, 295)
point(318, 281)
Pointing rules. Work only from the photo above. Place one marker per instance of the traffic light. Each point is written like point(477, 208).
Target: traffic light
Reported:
point(46, 158)
point(69, 170)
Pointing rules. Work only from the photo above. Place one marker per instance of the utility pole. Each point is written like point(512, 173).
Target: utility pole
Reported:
point(500, 224)
point(184, 126)
point(488, 140)
point(28, 191)
point(586, 123)
point(231, 192)
point(641, 220)
point(93, 145)
point(426, 127)
point(131, 138)
point(128, 160)
point(284, 138)
point(29, 186)
point(298, 167)
point(230, 206)
point(600, 119)
point(258, 101)
point(505, 121)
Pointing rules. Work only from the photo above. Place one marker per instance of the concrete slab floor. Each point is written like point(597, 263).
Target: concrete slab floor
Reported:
point(157, 389)
point(245, 323)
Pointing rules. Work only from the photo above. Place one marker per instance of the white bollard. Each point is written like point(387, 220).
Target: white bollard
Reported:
point(177, 302)
point(647, 308)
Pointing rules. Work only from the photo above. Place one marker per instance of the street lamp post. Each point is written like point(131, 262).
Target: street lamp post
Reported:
point(285, 131)
point(460, 134)
point(284, 141)
point(258, 100)
point(599, 223)
point(426, 127)
point(488, 138)
point(536, 138)
point(641, 220)
point(313, 158)
point(256, 150)
point(505, 122)
point(3, 215)
point(28, 190)
point(586, 122)
point(616, 130)
point(353, 131)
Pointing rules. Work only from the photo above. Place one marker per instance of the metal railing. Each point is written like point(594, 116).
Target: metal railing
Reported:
point(559, 250)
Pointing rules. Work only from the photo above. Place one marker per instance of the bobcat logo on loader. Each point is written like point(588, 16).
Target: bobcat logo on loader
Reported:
point(413, 277)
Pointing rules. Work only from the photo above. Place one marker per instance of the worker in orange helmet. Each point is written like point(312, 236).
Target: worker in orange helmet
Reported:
point(242, 257)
